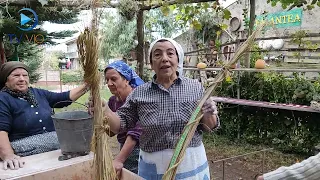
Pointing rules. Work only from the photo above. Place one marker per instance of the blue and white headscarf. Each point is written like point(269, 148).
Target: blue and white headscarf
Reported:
point(126, 71)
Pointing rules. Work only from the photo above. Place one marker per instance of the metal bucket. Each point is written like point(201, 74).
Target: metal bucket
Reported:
point(74, 131)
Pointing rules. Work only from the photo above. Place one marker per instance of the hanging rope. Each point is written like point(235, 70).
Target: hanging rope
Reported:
point(88, 50)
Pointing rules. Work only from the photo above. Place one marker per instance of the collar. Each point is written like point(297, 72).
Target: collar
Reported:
point(176, 81)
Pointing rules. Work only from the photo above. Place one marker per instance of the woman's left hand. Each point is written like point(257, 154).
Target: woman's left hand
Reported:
point(209, 107)
point(117, 165)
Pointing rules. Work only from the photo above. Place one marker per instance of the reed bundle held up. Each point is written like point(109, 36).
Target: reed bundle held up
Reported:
point(88, 52)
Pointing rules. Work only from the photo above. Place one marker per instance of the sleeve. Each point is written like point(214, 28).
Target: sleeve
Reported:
point(135, 132)
point(5, 115)
point(53, 98)
point(111, 102)
point(307, 169)
point(128, 114)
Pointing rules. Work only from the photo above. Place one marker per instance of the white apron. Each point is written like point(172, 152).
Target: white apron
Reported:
point(194, 166)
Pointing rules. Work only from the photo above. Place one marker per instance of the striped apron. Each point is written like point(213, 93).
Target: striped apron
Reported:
point(194, 166)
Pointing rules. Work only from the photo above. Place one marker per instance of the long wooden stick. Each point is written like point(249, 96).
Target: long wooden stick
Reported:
point(191, 127)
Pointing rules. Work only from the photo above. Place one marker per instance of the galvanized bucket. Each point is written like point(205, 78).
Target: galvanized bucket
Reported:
point(74, 130)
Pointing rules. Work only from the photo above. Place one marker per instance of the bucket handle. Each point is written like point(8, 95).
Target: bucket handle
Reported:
point(64, 102)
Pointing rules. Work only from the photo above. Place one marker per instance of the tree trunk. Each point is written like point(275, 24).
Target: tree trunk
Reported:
point(140, 35)
point(252, 16)
point(2, 51)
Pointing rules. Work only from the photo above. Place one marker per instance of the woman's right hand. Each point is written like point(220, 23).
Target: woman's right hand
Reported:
point(13, 161)
point(90, 105)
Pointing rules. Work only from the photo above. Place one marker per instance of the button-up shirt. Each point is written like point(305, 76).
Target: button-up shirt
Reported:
point(162, 113)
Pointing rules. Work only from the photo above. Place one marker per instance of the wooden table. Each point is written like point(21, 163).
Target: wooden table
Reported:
point(46, 166)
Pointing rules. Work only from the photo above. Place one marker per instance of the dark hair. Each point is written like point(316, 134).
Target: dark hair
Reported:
point(161, 40)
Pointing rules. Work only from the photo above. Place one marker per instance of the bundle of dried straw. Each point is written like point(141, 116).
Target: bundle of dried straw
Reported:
point(191, 127)
point(88, 52)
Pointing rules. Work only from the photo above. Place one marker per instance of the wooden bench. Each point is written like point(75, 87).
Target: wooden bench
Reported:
point(46, 166)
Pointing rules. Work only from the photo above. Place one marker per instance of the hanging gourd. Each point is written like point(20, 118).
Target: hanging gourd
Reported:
point(201, 65)
point(260, 64)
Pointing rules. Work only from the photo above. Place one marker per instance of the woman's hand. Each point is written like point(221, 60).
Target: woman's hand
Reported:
point(13, 161)
point(209, 107)
point(117, 165)
point(90, 105)
point(260, 178)
point(210, 119)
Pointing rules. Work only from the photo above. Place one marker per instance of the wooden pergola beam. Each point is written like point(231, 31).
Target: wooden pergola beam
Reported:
point(87, 3)
point(171, 2)
point(81, 4)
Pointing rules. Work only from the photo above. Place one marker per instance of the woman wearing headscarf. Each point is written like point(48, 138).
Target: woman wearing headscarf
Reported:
point(121, 80)
point(26, 126)
point(163, 108)
point(179, 52)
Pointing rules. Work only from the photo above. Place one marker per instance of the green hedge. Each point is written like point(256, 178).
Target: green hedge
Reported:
point(71, 77)
point(289, 131)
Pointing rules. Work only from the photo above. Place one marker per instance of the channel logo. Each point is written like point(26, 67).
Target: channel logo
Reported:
point(26, 21)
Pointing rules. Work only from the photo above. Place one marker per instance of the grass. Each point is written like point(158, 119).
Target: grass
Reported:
point(219, 147)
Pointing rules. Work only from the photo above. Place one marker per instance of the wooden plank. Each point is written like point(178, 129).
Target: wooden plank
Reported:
point(306, 61)
point(293, 107)
point(47, 166)
point(255, 70)
point(79, 4)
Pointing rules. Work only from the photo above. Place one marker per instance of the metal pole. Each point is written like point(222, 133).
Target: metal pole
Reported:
point(223, 164)
point(263, 161)
point(238, 108)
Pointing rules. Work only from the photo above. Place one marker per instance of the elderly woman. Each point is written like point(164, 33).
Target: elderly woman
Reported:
point(163, 107)
point(121, 81)
point(26, 126)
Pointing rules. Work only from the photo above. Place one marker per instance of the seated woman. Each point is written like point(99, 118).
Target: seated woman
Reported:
point(121, 81)
point(26, 126)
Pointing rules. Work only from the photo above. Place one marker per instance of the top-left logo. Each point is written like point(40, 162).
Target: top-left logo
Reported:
point(27, 23)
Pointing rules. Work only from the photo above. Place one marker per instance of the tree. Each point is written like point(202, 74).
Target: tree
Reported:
point(30, 54)
point(190, 7)
point(158, 23)
point(118, 35)
point(308, 4)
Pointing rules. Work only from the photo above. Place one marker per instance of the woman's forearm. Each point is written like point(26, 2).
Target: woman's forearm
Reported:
point(210, 122)
point(77, 92)
point(5, 147)
point(126, 150)
point(113, 121)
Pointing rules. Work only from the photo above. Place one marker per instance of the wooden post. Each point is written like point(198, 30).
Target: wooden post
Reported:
point(60, 74)
point(140, 52)
point(238, 108)
point(251, 26)
point(2, 51)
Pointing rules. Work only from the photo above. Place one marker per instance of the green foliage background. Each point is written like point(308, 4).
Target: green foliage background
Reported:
point(289, 131)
